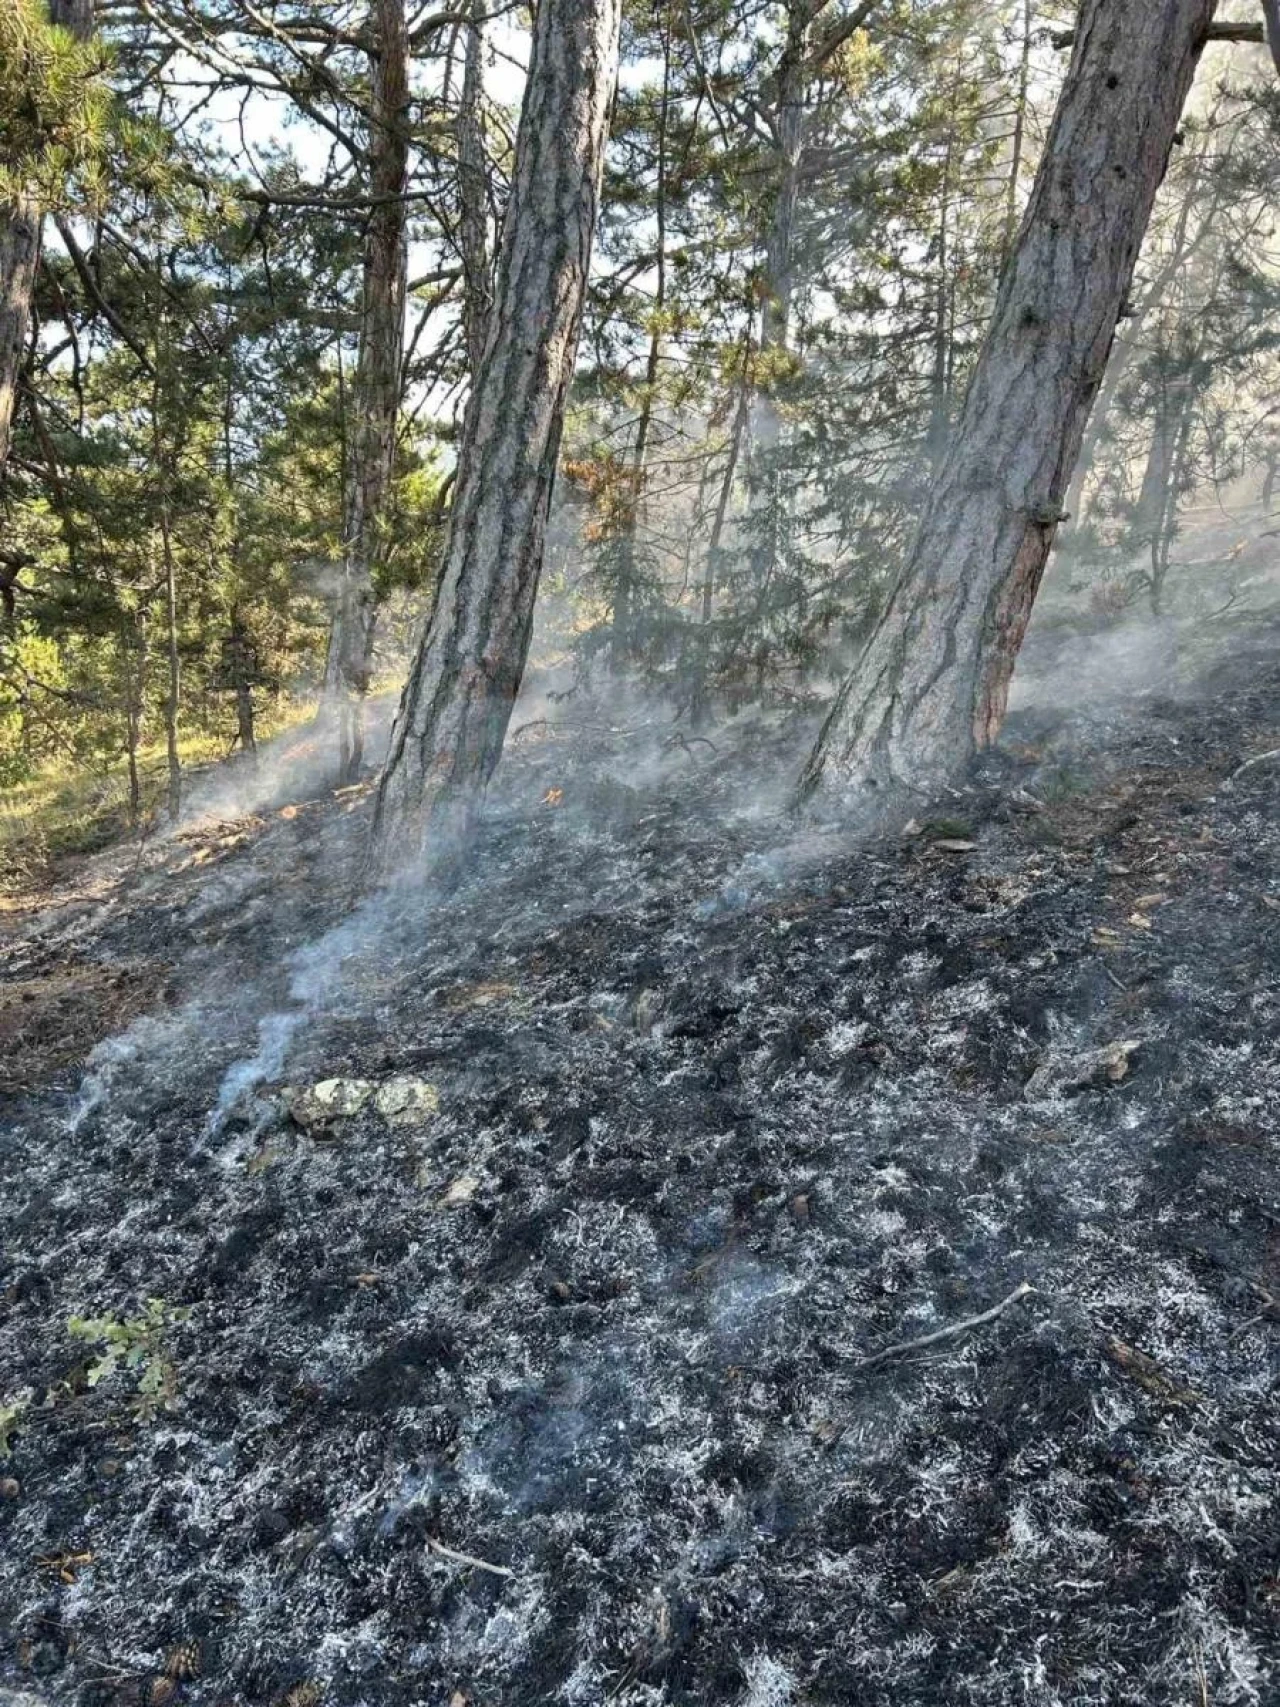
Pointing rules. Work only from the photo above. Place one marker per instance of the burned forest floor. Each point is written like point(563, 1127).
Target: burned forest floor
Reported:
point(525, 1294)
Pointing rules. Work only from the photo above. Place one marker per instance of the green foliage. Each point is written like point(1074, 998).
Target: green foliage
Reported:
point(945, 830)
point(1063, 783)
point(54, 106)
point(202, 425)
point(757, 413)
point(12, 1412)
point(137, 1345)
point(806, 374)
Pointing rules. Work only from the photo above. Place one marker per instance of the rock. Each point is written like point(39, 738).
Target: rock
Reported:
point(402, 1100)
point(461, 1191)
point(406, 1101)
point(319, 1106)
point(1105, 1066)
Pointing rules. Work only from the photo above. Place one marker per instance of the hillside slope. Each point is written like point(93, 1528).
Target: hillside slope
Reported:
point(541, 1358)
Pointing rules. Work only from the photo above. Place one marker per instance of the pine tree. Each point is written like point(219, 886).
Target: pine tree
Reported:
point(932, 683)
point(463, 682)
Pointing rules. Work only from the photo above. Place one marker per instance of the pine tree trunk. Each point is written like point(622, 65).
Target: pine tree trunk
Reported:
point(767, 494)
point(1117, 367)
point(473, 194)
point(701, 691)
point(73, 15)
point(1271, 12)
point(1019, 135)
point(240, 657)
point(376, 389)
point(20, 256)
point(1167, 526)
point(939, 389)
point(932, 683)
point(1172, 404)
point(133, 673)
point(174, 695)
point(457, 702)
point(622, 639)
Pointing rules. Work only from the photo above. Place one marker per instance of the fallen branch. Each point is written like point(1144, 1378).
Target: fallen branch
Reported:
point(1148, 1374)
point(467, 1558)
point(1258, 759)
point(1023, 1290)
point(1270, 1311)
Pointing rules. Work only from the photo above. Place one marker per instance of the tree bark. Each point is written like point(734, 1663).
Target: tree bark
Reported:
point(791, 129)
point(20, 255)
point(622, 640)
point(457, 702)
point(1173, 406)
point(790, 92)
point(1271, 12)
point(473, 195)
point(1019, 135)
point(1162, 543)
point(240, 659)
point(940, 381)
point(173, 697)
point(701, 689)
point(19, 259)
point(1174, 264)
point(932, 683)
point(376, 389)
point(133, 673)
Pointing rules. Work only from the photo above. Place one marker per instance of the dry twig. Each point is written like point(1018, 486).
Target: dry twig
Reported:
point(1257, 759)
point(1023, 1290)
point(467, 1558)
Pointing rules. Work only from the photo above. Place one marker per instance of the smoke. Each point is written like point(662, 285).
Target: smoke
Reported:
point(321, 975)
point(297, 765)
point(1077, 668)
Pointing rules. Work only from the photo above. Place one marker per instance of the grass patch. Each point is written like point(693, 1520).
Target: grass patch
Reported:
point(64, 811)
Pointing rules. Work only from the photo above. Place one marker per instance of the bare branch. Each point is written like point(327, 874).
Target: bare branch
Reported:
point(1024, 1290)
point(85, 274)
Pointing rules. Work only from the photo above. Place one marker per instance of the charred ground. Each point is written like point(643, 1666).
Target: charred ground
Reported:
point(724, 1108)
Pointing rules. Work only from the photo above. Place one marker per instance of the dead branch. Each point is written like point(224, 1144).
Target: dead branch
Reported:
point(1257, 759)
point(953, 1331)
point(1270, 1311)
point(467, 1558)
point(1148, 1373)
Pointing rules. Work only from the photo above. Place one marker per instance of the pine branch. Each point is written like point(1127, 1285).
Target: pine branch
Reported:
point(85, 274)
